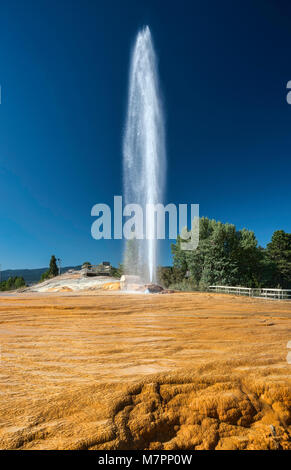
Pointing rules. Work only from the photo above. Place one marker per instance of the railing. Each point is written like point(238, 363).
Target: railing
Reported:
point(281, 294)
point(276, 293)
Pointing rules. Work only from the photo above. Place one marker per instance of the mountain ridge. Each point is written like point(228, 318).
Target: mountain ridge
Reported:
point(30, 275)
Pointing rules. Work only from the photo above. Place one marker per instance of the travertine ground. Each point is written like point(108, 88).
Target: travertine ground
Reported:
point(107, 370)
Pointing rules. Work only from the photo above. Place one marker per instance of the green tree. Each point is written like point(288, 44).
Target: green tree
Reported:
point(87, 264)
point(267, 270)
point(169, 276)
point(249, 258)
point(179, 256)
point(53, 268)
point(219, 260)
point(12, 283)
point(279, 252)
point(19, 282)
point(224, 256)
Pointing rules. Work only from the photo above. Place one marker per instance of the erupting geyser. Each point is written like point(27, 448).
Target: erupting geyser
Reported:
point(144, 152)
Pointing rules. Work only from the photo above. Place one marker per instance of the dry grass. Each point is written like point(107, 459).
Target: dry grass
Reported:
point(112, 371)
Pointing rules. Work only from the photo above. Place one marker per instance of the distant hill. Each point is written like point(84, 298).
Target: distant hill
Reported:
point(30, 275)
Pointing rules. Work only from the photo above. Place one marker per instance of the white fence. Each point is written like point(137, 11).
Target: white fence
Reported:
point(282, 294)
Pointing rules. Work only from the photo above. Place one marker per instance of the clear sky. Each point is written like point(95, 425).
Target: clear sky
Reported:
point(223, 69)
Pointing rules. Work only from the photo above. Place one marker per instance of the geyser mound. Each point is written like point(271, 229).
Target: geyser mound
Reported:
point(134, 284)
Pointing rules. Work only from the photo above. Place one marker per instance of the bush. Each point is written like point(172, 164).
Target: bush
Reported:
point(168, 275)
point(117, 272)
point(44, 276)
point(187, 285)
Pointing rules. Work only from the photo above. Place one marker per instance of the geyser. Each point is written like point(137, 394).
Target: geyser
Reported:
point(143, 153)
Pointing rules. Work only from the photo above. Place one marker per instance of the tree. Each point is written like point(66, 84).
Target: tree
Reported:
point(53, 268)
point(168, 275)
point(19, 282)
point(224, 256)
point(87, 264)
point(12, 283)
point(279, 252)
point(179, 256)
point(220, 264)
point(249, 258)
point(267, 270)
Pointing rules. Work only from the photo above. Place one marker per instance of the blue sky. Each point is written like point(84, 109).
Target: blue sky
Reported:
point(223, 69)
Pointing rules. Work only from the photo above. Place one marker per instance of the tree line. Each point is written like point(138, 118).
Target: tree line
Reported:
point(12, 283)
point(226, 256)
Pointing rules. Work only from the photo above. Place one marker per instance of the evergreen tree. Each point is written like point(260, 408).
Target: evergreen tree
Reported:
point(279, 252)
point(53, 268)
point(12, 283)
point(249, 258)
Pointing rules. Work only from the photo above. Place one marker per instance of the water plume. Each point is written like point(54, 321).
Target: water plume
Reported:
point(144, 157)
